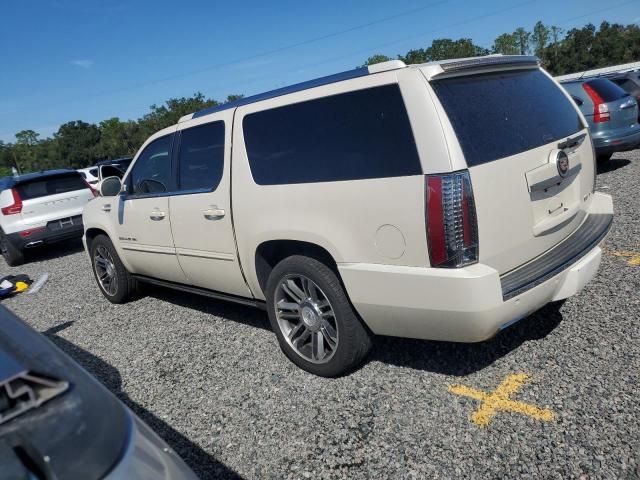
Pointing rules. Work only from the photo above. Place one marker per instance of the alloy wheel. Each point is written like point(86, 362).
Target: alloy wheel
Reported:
point(306, 318)
point(105, 270)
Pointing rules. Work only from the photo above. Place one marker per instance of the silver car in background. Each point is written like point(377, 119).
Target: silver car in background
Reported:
point(612, 115)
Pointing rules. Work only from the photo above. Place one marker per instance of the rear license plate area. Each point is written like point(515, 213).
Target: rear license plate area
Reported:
point(64, 223)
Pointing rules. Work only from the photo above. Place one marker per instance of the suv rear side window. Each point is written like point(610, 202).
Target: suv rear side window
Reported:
point(201, 157)
point(500, 114)
point(355, 135)
point(608, 91)
point(51, 186)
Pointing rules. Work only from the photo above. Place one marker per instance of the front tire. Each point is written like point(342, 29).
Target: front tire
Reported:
point(115, 282)
point(12, 255)
point(603, 157)
point(315, 324)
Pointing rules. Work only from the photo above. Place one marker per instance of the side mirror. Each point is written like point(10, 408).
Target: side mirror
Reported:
point(110, 187)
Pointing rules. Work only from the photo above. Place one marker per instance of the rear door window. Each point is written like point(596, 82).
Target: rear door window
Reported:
point(608, 91)
point(500, 114)
point(350, 136)
point(50, 186)
point(201, 157)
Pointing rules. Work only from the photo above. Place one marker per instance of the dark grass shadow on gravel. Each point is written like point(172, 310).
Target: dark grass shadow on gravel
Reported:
point(203, 464)
point(53, 251)
point(460, 359)
point(253, 317)
point(611, 165)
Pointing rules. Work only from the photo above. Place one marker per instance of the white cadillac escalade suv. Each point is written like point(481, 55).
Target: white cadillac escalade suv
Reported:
point(439, 201)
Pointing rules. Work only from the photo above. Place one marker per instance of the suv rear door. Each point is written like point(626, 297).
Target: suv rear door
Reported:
point(201, 219)
point(509, 125)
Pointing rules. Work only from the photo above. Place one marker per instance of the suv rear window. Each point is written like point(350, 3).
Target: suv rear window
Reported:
point(608, 91)
point(350, 136)
point(500, 114)
point(42, 187)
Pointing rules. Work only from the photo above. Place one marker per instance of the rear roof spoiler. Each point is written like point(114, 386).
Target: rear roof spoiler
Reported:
point(471, 65)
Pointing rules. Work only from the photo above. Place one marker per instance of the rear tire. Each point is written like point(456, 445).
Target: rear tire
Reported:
point(311, 315)
point(604, 157)
point(115, 282)
point(12, 255)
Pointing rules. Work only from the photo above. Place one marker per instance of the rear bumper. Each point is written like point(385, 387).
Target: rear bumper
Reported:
point(45, 238)
point(471, 304)
point(607, 145)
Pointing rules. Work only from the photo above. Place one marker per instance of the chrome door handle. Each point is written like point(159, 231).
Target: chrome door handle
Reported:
point(106, 207)
point(213, 213)
point(157, 215)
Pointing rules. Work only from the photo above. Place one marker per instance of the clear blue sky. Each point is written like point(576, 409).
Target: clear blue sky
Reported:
point(64, 60)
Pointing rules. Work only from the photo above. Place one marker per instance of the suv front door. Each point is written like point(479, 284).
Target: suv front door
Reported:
point(201, 208)
point(143, 224)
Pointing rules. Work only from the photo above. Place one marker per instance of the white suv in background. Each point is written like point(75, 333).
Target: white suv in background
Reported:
point(40, 208)
point(439, 201)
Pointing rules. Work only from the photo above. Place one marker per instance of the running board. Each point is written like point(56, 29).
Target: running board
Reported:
point(202, 291)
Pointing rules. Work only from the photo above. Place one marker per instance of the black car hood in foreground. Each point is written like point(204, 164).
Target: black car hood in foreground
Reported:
point(56, 421)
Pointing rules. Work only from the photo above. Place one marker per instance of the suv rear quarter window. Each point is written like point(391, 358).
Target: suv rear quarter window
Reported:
point(350, 136)
point(500, 114)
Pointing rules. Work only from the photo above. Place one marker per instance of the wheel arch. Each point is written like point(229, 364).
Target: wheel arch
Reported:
point(92, 232)
point(271, 252)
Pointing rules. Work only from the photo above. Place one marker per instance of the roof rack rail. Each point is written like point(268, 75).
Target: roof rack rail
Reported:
point(317, 82)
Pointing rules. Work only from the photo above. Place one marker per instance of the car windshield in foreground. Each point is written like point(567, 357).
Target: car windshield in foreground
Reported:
point(500, 114)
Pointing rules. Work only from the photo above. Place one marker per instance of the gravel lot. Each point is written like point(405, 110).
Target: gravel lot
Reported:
point(209, 378)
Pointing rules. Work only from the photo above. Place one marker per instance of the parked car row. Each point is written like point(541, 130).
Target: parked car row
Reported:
point(104, 169)
point(367, 202)
point(441, 201)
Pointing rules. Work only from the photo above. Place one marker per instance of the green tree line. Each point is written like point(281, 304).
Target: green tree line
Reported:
point(79, 144)
point(560, 52)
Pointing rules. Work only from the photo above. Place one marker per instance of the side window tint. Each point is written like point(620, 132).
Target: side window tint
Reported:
point(201, 157)
point(152, 171)
point(350, 136)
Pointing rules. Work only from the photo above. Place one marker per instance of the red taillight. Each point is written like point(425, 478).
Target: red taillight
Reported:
point(452, 226)
point(435, 221)
point(16, 206)
point(28, 233)
point(600, 109)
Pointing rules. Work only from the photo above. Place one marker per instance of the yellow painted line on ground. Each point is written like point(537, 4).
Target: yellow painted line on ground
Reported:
point(500, 400)
point(634, 260)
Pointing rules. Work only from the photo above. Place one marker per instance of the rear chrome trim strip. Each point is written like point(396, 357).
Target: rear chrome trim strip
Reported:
point(559, 258)
point(186, 252)
point(148, 248)
point(317, 82)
